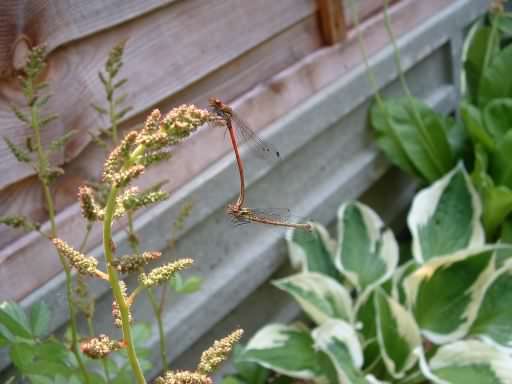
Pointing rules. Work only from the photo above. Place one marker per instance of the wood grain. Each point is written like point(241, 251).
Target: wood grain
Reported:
point(277, 96)
point(163, 56)
point(58, 22)
point(228, 82)
point(332, 21)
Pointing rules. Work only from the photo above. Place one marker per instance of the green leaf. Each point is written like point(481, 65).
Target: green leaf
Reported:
point(468, 362)
point(320, 296)
point(339, 341)
point(493, 322)
point(421, 134)
point(367, 252)
point(497, 117)
point(444, 294)
point(474, 58)
point(22, 355)
point(445, 217)
point(39, 319)
point(54, 351)
point(473, 122)
point(389, 140)
point(190, 285)
point(249, 372)
point(100, 110)
point(288, 350)
point(501, 167)
point(397, 333)
point(504, 23)
point(59, 142)
point(22, 116)
point(18, 152)
point(14, 320)
point(312, 251)
point(496, 81)
point(497, 206)
point(397, 289)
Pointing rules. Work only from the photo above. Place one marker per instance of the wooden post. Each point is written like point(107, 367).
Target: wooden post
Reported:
point(332, 21)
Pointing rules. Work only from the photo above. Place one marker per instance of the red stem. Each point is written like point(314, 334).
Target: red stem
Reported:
point(240, 165)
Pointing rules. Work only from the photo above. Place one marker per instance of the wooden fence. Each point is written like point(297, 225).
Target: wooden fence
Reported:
point(291, 66)
point(176, 52)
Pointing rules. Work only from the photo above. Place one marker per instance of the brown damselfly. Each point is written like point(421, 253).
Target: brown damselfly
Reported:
point(239, 130)
point(279, 217)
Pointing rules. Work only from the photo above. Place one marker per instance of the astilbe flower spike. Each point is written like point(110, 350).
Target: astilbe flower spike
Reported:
point(134, 263)
point(218, 352)
point(85, 265)
point(162, 274)
point(116, 311)
point(183, 377)
point(100, 346)
point(88, 206)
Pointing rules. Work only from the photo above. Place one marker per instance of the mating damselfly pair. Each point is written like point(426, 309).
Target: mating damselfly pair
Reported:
point(239, 134)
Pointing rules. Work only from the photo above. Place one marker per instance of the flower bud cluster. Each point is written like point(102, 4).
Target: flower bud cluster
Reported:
point(134, 263)
point(85, 265)
point(88, 206)
point(218, 352)
point(100, 346)
point(116, 311)
point(183, 377)
point(162, 274)
point(134, 200)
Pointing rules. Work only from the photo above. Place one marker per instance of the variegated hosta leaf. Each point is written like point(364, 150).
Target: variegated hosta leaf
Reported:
point(312, 251)
point(397, 288)
point(289, 350)
point(468, 362)
point(397, 333)
point(445, 217)
point(367, 254)
point(320, 296)
point(444, 294)
point(339, 341)
point(494, 319)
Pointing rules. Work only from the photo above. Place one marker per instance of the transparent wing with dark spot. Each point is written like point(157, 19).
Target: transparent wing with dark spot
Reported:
point(258, 147)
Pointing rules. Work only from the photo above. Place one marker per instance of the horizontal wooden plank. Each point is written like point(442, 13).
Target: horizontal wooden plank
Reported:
point(228, 82)
point(285, 91)
point(163, 56)
point(58, 22)
point(365, 8)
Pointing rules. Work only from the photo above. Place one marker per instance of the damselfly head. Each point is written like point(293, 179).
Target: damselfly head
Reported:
point(219, 108)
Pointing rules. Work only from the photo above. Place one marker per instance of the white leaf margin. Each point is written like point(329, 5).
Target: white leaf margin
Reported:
point(296, 254)
point(273, 336)
point(464, 353)
point(320, 285)
point(412, 282)
point(506, 268)
point(344, 332)
point(425, 204)
point(374, 226)
point(407, 329)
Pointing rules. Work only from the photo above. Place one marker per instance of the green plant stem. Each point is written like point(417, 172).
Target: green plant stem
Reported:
point(112, 111)
point(86, 236)
point(157, 309)
point(430, 147)
point(116, 288)
point(43, 165)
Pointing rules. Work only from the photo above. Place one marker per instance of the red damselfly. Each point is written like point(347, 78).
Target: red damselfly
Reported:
point(272, 216)
point(239, 130)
